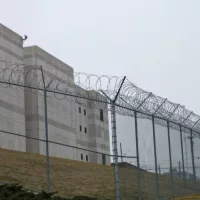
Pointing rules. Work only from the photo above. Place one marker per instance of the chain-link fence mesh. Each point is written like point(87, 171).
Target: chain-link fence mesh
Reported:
point(85, 164)
point(54, 142)
point(197, 157)
point(80, 149)
point(127, 160)
point(169, 177)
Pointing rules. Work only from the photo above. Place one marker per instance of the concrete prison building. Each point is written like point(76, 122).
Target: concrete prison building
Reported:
point(71, 121)
point(12, 118)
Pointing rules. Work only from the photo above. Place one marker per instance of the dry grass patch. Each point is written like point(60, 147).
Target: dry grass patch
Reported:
point(71, 178)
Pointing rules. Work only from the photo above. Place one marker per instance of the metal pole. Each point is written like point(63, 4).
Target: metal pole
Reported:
point(155, 157)
point(46, 131)
point(115, 152)
point(47, 142)
point(138, 158)
point(121, 152)
point(182, 154)
point(179, 169)
point(159, 169)
point(170, 159)
point(192, 154)
point(186, 155)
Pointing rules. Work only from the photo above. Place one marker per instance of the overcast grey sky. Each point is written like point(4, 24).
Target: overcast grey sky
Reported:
point(155, 43)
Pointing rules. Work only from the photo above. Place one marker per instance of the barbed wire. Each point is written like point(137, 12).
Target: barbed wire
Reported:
point(86, 89)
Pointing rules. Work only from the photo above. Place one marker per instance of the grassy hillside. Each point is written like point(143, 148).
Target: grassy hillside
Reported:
point(191, 197)
point(71, 178)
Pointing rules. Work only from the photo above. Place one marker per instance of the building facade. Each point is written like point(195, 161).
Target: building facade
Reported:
point(80, 125)
point(12, 118)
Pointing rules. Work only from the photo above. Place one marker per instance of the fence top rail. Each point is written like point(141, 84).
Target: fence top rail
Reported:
point(82, 87)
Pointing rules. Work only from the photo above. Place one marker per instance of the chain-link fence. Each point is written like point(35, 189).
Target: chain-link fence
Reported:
point(162, 152)
point(58, 135)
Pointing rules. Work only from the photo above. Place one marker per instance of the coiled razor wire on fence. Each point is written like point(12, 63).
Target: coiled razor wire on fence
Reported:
point(88, 89)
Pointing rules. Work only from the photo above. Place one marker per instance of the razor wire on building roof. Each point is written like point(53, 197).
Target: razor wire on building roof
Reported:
point(82, 87)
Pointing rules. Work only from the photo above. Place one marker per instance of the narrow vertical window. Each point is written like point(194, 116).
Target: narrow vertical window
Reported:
point(103, 159)
point(101, 115)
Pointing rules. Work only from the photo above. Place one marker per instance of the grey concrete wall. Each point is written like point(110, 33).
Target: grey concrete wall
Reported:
point(22, 109)
point(99, 130)
point(61, 111)
point(64, 119)
point(31, 110)
point(11, 99)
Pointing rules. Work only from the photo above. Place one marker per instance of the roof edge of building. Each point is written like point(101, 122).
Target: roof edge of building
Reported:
point(35, 49)
point(10, 30)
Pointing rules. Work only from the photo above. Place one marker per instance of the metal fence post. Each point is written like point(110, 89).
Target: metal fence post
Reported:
point(138, 159)
point(47, 142)
point(192, 154)
point(114, 139)
point(182, 155)
point(121, 152)
point(46, 132)
point(115, 152)
point(155, 157)
point(170, 158)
